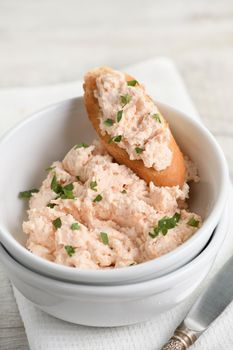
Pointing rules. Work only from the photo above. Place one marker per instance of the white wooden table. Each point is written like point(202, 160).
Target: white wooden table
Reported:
point(51, 41)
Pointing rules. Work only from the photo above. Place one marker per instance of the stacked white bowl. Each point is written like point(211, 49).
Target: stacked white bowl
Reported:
point(106, 297)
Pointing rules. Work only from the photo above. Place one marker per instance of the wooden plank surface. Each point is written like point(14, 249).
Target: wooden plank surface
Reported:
point(53, 41)
point(12, 334)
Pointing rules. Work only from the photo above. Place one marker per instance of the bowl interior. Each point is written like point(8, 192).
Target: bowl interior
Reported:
point(28, 149)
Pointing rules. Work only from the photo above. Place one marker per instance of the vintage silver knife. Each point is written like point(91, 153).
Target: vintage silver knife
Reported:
point(210, 304)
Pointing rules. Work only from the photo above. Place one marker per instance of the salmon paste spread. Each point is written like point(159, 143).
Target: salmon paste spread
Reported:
point(132, 120)
point(92, 213)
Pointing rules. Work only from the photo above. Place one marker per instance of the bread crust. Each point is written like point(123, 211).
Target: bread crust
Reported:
point(171, 176)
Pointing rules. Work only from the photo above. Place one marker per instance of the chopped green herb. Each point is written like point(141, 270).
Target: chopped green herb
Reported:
point(132, 82)
point(165, 224)
point(78, 177)
point(125, 99)
point(153, 234)
point(119, 116)
point(115, 139)
point(93, 185)
point(69, 250)
point(51, 205)
point(65, 192)
point(156, 117)
point(68, 191)
point(193, 222)
point(80, 145)
point(98, 198)
point(69, 187)
point(55, 186)
point(123, 191)
point(104, 237)
point(50, 168)
point(75, 226)
point(27, 194)
point(134, 263)
point(109, 122)
point(57, 223)
point(139, 150)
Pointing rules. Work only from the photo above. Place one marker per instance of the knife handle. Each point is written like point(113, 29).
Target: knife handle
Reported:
point(182, 339)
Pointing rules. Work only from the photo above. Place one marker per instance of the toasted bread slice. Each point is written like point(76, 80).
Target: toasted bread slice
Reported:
point(171, 176)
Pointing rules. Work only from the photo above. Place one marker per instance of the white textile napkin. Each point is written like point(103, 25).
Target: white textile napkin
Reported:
point(45, 332)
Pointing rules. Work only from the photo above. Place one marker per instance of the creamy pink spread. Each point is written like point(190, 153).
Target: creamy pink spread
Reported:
point(132, 120)
point(91, 212)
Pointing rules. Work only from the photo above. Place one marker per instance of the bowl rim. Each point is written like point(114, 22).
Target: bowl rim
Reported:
point(210, 222)
point(142, 288)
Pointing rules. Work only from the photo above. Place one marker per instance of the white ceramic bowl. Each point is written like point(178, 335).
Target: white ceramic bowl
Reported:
point(115, 305)
point(31, 146)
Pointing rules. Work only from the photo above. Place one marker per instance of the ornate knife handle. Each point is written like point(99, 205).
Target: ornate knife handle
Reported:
point(182, 339)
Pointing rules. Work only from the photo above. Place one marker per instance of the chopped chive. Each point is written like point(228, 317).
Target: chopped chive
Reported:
point(51, 205)
point(139, 150)
point(50, 168)
point(104, 237)
point(78, 177)
point(98, 198)
point(80, 145)
point(123, 191)
point(27, 194)
point(69, 250)
point(125, 99)
point(93, 185)
point(57, 223)
point(165, 224)
point(134, 263)
point(119, 116)
point(156, 117)
point(109, 122)
point(132, 82)
point(75, 226)
point(193, 222)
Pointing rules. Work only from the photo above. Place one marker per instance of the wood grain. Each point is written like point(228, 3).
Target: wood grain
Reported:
point(12, 334)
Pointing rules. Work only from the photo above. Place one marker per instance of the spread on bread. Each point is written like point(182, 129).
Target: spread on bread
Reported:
point(132, 120)
point(132, 128)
